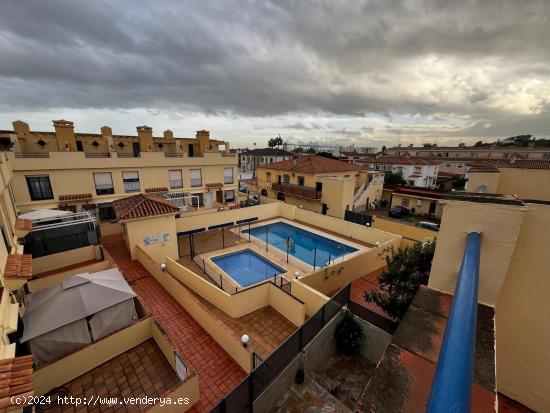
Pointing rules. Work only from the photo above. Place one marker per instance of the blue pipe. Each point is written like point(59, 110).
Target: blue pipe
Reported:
point(452, 385)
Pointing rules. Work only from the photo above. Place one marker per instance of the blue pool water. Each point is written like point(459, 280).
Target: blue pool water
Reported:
point(303, 243)
point(246, 267)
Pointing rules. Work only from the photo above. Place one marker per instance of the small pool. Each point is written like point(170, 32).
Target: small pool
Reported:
point(303, 243)
point(247, 267)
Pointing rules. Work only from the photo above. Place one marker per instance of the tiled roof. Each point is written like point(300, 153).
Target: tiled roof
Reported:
point(23, 224)
point(492, 165)
point(401, 160)
point(15, 380)
point(156, 190)
point(266, 152)
point(73, 197)
point(18, 266)
point(314, 164)
point(214, 185)
point(141, 206)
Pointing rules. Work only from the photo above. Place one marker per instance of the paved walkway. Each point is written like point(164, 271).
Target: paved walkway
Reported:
point(218, 372)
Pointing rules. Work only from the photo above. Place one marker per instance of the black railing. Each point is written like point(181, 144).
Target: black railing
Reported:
point(104, 189)
point(97, 155)
point(53, 241)
point(358, 218)
point(173, 154)
point(241, 398)
point(379, 321)
point(128, 155)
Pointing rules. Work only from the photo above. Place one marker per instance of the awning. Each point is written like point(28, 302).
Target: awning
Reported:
point(45, 213)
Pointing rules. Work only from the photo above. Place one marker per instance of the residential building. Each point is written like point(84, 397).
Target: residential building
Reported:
point(528, 179)
point(423, 202)
point(252, 158)
point(84, 171)
point(491, 151)
point(415, 171)
point(319, 184)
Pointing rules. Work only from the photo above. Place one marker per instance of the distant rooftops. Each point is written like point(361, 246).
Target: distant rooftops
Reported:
point(314, 164)
point(494, 165)
point(142, 206)
point(400, 160)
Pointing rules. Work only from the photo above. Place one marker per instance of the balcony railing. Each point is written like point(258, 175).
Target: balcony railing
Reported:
point(297, 190)
point(131, 187)
point(32, 154)
point(173, 154)
point(97, 154)
point(128, 155)
point(104, 189)
point(176, 183)
point(452, 385)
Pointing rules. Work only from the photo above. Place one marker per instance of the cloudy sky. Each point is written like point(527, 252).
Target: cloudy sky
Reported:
point(369, 72)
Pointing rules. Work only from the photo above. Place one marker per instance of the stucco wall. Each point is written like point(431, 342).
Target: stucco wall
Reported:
point(522, 316)
point(137, 230)
point(525, 183)
point(66, 258)
point(487, 180)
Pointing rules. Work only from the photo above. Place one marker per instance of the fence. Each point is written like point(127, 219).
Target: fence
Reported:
point(241, 398)
point(53, 241)
point(379, 321)
point(358, 218)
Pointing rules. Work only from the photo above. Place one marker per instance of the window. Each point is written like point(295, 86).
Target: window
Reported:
point(405, 202)
point(286, 179)
point(176, 180)
point(229, 195)
point(197, 200)
point(106, 212)
point(227, 175)
point(196, 177)
point(103, 183)
point(131, 181)
point(268, 176)
point(301, 180)
point(39, 187)
point(6, 241)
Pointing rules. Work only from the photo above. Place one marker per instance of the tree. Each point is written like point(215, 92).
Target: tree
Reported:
point(394, 178)
point(275, 142)
point(349, 335)
point(407, 269)
point(384, 149)
point(478, 144)
point(310, 150)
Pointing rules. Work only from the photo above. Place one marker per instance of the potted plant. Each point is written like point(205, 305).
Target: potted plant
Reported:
point(349, 335)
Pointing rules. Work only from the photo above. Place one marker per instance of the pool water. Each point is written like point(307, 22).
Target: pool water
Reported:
point(246, 267)
point(303, 243)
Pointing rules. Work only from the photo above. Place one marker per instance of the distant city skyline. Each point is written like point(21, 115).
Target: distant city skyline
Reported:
point(368, 73)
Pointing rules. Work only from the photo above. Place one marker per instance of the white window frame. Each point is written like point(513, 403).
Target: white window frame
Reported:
point(194, 179)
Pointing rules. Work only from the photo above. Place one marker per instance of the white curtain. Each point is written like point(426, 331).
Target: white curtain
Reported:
point(175, 175)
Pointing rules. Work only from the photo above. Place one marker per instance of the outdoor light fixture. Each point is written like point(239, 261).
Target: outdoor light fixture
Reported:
point(377, 244)
point(163, 267)
point(297, 274)
point(245, 339)
point(368, 224)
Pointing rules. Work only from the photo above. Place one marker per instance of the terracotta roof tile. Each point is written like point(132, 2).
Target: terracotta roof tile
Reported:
point(15, 380)
point(156, 190)
point(314, 164)
point(23, 224)
point(73, 197)
point(141, 206)
point(18, 266)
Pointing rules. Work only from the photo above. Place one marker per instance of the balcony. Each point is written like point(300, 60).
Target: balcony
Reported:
point(104, 189)
point(97, 154)
point(32, 154)
point(128, 154)
point(297, 190)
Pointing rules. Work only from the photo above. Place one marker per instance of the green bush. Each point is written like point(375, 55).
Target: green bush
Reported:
point(349, 335)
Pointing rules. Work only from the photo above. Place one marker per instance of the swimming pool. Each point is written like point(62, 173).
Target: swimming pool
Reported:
point(246, 267)
point(303, 243)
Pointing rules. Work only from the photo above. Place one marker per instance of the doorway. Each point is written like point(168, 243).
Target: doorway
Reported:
point(79, 146)
point(325, 209)
point(191, 150)
point(433, 206)
point(219, 196)
point(135, 149)
point(208, 199)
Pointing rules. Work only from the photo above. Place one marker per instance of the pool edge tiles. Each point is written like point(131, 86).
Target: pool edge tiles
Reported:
point(238, 276)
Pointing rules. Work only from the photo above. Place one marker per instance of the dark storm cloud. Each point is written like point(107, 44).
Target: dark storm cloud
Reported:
point(450, 58)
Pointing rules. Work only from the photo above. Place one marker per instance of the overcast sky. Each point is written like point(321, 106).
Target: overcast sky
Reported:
point(364, 72)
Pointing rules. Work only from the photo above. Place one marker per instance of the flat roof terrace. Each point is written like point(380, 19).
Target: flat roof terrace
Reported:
point(139, 372)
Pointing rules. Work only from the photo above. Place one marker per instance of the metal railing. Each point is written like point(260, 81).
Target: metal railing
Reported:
point(97, 155)
point(128, 155)
point(32, 154)
point(131, 187)
point(297, 190)
point(452, 384)
point(104, 189)
point(241, 398)
point(173, 154)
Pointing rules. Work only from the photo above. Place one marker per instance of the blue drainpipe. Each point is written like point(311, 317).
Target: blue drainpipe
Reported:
point(452, 385)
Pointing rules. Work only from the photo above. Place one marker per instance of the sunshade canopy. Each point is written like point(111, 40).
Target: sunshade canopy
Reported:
point(45, 213)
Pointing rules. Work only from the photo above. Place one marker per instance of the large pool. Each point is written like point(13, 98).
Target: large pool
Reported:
point(246, 267)
point(302, 243)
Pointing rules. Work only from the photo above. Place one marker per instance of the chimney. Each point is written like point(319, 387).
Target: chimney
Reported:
point(203, 136)
point(168, 134)
point(145, 135)
point(20, 127)
point(64, 131)
point(107, 134)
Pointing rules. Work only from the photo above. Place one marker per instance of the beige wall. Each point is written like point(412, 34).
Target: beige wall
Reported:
point(40, 283)
point(137, 230)
point(525, 183)
point(406, 231)
point(522, 316)
point(66, 258)
point(499, 226)
point(338, 195)
point(421, 205)
point(477, 180)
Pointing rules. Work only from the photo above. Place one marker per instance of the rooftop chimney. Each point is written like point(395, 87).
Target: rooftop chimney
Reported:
point(21, 127)
point(168, 134)
point(203, 136)
point(64, 130)
point(145, 135)
point(106, 131)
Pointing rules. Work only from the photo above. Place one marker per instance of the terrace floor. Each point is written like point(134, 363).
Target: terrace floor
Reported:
point(218, 372)
point(140, 371)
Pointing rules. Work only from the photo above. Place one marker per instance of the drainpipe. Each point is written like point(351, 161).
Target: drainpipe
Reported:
point(452, 384)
